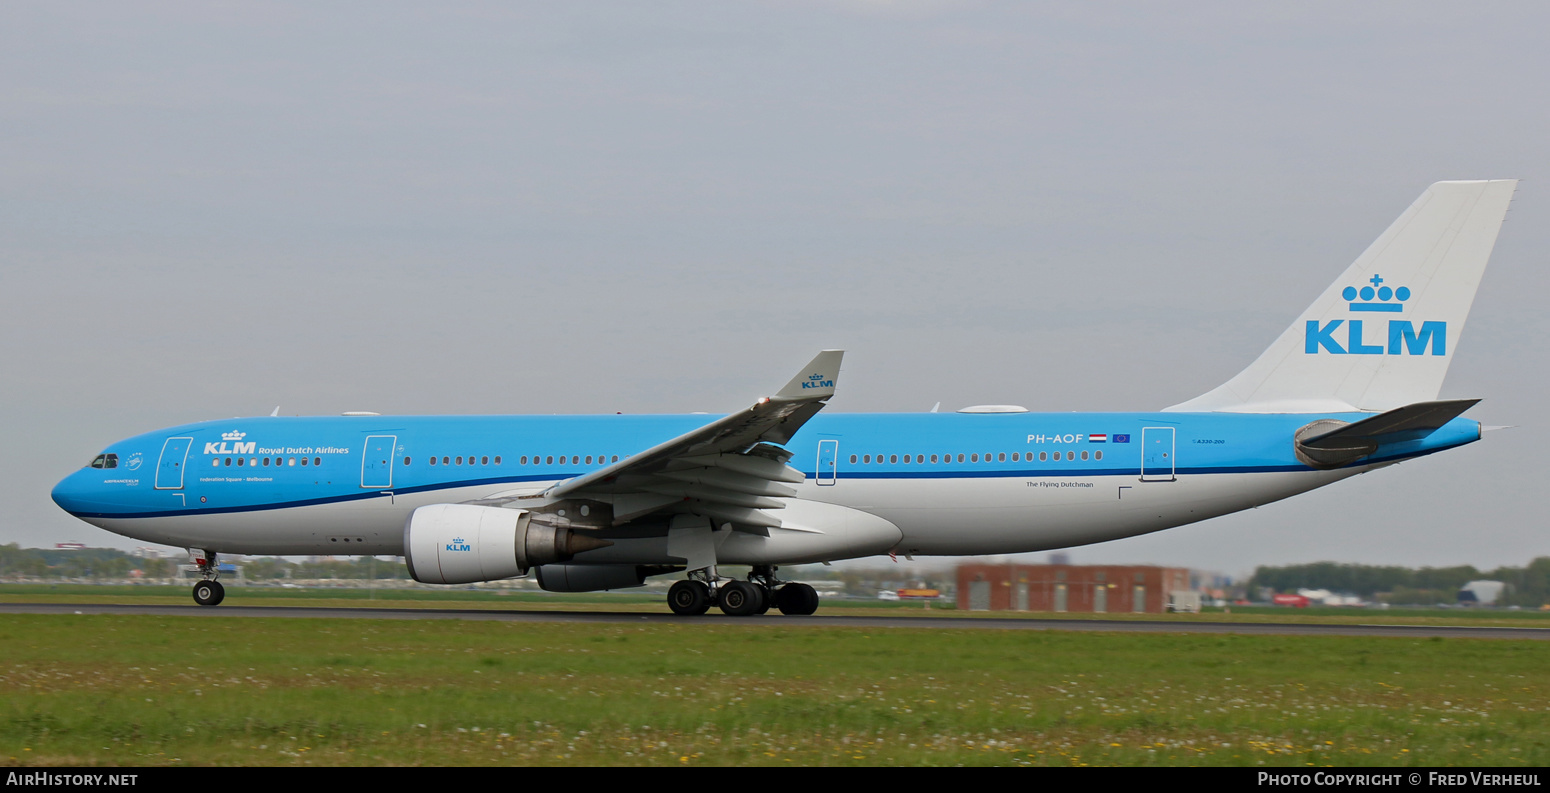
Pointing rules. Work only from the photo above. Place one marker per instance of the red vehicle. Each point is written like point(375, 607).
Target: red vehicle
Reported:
point(1296, 601)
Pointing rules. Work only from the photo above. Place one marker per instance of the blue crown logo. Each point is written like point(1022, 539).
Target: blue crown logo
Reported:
point(1383, 294)
point(815, 376)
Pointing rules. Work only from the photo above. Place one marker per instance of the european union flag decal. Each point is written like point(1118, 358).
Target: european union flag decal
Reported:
point(1121, 438)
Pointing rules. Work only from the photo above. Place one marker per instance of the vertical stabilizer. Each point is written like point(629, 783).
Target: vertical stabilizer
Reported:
point(1383, 334)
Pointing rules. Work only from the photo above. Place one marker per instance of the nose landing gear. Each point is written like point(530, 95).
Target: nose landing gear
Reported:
point(208, 592)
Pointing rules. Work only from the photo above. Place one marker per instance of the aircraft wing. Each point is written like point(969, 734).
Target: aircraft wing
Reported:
point(729, 470)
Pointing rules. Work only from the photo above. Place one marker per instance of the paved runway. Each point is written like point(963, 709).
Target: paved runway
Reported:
point(774, 620)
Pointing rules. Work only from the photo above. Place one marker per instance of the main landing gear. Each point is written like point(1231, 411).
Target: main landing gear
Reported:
point(762, 590)
point(208, 592)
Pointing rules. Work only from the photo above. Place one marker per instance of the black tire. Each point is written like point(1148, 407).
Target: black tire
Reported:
point(741, 598)
point(209, 593)
point(797, 600)
point(766, 599)
point(689, 598)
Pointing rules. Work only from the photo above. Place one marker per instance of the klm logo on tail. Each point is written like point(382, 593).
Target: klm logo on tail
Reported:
point(1402, 337)
point(1382, 293)
point(816, 380)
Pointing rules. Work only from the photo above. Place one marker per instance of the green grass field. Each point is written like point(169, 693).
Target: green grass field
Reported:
point(133, 690)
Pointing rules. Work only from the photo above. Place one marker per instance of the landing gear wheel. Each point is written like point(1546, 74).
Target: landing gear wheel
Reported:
point(796, 600)
point(689, 598)
point(741, 598)
point(766, 599)
point(209, 593)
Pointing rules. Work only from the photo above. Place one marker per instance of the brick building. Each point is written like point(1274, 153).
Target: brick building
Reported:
point(1065, 587)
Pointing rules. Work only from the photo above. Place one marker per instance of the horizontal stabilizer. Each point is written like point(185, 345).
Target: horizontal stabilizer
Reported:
point(1411, 422)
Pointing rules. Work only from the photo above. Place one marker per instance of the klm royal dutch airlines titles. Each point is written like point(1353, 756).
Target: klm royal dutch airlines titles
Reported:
point(603, 502)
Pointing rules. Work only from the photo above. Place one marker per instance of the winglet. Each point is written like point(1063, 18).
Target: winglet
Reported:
point(816, 380)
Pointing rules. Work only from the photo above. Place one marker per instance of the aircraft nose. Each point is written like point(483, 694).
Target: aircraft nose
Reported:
point(73, 494)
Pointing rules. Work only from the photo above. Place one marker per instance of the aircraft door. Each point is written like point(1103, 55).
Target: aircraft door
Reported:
point(169, 471)
point(828, 460)
point(377, 461)
point(1157, 454)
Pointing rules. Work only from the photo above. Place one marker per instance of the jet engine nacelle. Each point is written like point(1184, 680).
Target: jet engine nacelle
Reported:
point(462, 543)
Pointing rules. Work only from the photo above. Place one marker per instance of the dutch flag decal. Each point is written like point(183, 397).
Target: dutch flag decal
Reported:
point(1098, 438)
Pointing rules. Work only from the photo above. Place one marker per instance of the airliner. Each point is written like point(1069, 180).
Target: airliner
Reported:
point(588, 503)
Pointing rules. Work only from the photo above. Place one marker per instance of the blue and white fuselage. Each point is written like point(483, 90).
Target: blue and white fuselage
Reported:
point(602, 502)
point(952, 483)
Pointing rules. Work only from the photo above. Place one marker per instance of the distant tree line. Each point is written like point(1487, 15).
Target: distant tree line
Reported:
point(1526, 586)
point(109, 563)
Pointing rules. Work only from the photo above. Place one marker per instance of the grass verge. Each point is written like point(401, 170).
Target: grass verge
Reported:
point(137, 690)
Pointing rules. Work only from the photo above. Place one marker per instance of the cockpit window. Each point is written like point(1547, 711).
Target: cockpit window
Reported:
point(104, 461)
point(97, 463)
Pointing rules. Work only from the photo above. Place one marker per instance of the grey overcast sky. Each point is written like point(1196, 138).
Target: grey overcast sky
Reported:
point(210, 209)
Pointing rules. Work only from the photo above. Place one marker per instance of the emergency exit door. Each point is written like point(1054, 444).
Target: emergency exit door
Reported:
point(377, 461)
point(1157, 454)
point(828, 460)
